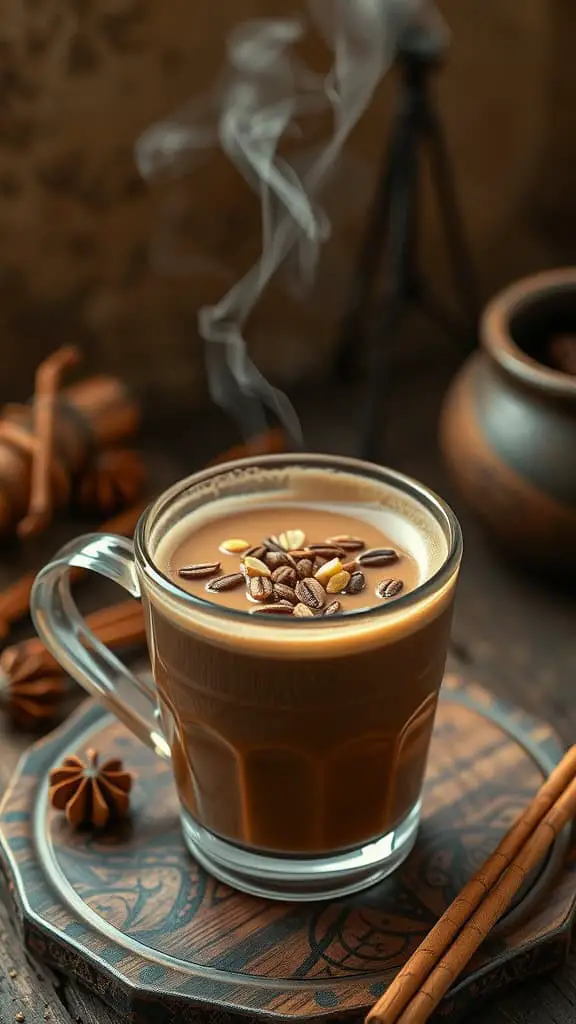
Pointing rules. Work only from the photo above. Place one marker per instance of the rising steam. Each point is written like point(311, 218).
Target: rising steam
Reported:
point(263, 97)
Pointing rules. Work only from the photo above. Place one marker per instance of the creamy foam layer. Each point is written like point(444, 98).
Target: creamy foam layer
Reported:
point(399, 516)
point(201, 541)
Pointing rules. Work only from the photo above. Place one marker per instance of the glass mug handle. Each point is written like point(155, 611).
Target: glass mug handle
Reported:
point(66, 635)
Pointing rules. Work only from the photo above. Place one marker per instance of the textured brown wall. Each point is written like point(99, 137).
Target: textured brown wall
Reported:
point(82, 78)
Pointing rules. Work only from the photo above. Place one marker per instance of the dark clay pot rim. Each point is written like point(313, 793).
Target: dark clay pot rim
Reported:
point(497, 339)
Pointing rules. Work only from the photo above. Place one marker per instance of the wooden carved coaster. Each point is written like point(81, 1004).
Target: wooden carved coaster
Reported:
point(132, 916)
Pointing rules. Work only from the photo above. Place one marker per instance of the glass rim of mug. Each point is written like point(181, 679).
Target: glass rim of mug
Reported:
point(424, 495)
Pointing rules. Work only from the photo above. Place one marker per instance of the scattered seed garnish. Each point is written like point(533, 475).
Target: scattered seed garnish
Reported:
point(228, 582)
point(234, 546)
point(284, 593)
point(388, 588)
point(302, 611)
point(254, 567)
point(327, 570)
point(258, 551)
point(337, 583)
point(199, 571)
point(309, 591)
point(290, 540)
point(350, 566)
point(280, 608)
point(260, 588)
point(356, 584)
point(378, 556)
point(276, 558)
point(305, 568)
point(347, 543)
point(285, 574)
point(326, 550)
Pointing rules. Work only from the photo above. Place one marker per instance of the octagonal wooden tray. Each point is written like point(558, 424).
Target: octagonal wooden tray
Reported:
point(133, 917)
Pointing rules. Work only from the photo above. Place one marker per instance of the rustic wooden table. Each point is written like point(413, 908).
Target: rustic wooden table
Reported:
point(512, 633)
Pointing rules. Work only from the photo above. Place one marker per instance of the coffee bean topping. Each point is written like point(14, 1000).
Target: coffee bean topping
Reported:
point(304, 568)
point(199, 571)
point(280, 608)
point(258, 551)
point(388, 588)
point(310, 592)
point(350, 566)
point(326, 551)
point(347, 543)
point(228, 582)
point(356, 583)
point(302, 611)
point(285, 574)
point(260, 588)
point(378, 556)
point(284, 593)
point(272, 544)
point(275, 558)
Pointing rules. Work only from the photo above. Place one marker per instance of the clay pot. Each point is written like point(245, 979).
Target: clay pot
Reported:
point(508, 427)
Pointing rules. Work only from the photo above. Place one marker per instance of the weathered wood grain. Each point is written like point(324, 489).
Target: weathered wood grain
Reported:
point(25, 988)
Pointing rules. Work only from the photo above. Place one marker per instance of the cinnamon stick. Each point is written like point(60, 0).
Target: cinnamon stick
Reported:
point(16, 433)
point(48, 377)
point(116, 625)
point(15, 599)
point(428, 974)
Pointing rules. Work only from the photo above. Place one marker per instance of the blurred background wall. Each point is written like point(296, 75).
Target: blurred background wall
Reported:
point(92, 255)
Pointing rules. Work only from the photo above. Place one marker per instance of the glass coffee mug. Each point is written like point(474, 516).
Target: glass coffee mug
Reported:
point(298, 746)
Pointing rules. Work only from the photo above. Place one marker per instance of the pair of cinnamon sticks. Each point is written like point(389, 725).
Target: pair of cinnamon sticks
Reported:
point(121, 623)
point(432, 969)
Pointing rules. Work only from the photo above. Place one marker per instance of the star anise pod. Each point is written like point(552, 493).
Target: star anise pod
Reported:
point(115, 479)
point(90, 794)
point(31, 693)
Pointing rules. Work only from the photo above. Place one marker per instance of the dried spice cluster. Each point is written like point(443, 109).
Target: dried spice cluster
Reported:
point(284, 575)
point(90, 794)
point(32, 689)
